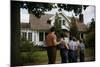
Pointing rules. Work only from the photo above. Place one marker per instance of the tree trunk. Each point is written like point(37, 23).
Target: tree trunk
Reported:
point(15, 33)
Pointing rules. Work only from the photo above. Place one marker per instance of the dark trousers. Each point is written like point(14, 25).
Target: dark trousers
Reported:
point(51, 52)
point(64, 55)
point(81, 56)
point(69, 56)
point(72, 56)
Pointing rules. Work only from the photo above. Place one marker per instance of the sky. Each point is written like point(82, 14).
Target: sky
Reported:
point(89, 13)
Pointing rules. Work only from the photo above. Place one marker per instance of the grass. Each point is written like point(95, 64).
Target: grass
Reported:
point(89, 52)
point(40, 57)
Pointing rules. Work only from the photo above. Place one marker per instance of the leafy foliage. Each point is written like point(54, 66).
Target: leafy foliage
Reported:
point(26, 49)
point(73, 28)
point(90, 38)
point(28, 52)
point(58, 26)
point(37, 8)
point(69, 7)
point(26, 45)
point(92, 25)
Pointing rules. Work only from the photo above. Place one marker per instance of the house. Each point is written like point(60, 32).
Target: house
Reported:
point(37, 28)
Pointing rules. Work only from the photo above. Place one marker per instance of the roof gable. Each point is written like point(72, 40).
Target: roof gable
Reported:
point(66, 17)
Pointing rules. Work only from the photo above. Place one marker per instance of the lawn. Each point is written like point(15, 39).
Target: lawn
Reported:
point(40, 57)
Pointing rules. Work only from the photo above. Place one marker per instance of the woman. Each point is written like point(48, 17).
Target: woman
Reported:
point(63, 49)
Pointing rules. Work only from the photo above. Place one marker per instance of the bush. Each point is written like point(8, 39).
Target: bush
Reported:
point(26, 46)
point(26, 50)
point(90, 40)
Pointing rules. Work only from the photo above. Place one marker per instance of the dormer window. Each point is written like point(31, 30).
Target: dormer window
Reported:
point(63, 21)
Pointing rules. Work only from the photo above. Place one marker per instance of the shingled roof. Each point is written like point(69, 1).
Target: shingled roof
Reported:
point(81, 27)
point(40, 23)
point(25, 25)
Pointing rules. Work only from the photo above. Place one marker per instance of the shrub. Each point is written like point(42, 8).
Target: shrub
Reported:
point(90, 40)
point(26, 50)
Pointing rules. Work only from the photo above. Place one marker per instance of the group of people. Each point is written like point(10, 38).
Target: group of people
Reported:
point(68, 50)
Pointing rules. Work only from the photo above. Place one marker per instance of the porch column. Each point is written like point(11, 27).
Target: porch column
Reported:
point(26, 35)
point(32, 36)
point(37, 37)
point(44, 36)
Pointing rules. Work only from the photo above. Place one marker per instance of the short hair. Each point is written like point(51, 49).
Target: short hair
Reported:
point(74, 39)
point(71, 38)
point(62, 35)
point(52, 29)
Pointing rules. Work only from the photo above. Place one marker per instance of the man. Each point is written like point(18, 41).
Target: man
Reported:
point(73, 47)
point(70, 50)
point(51, 42)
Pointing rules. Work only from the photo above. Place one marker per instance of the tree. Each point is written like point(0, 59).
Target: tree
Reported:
point(92, 25)
point(57, 25)
point(37, 8)
point(73, 28)
point(90, 38)
point(69, 7)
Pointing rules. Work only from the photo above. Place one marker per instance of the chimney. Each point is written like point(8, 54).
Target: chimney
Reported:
point(81, 18)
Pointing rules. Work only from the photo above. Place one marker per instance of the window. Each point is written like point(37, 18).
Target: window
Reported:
point(40, 36)
point(46, 34)
point(30, 36)
point(82, 35)
point(49, 21)
point(24, 34)
point(63, 22)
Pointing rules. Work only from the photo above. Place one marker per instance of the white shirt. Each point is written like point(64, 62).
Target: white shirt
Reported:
point(73, 45)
